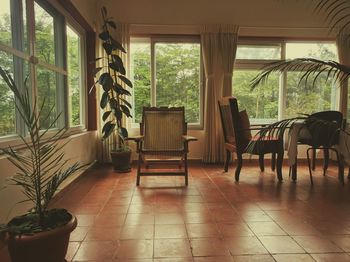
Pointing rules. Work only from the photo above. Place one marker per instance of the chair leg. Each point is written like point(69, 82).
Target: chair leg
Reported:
point(186, 169)
point(279, 164)
point(295, 170)
point(139, 170)
point(325, 160)
point(228, 158)
point(309, 164)
point(239, 166)
point(313, 159)
point(340, 161)
point(273, 161)
point(261, 162)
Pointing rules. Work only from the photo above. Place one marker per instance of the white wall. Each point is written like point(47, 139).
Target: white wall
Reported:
point(80, 148)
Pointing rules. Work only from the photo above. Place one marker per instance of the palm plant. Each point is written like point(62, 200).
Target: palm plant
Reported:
point(337, 15)
point(41, 165)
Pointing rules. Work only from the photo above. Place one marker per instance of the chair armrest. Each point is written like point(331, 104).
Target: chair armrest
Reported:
point(135, 138)
point(189, 138)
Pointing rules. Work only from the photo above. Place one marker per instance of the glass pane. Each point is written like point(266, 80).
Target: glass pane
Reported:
point(7, 101)
point(5, 23)
point(306, 99)
point(178, 77)
point(262, 102)
point(315, 50)
point(47, 96)
point(44, 35)
point(140, 53)
point(258, 52)
point(74, 76)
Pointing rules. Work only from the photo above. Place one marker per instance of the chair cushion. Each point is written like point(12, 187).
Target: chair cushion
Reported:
point(244, 124)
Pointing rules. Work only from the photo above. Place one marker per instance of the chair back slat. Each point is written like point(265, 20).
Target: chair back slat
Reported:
point(229, 113)
point(163, 129)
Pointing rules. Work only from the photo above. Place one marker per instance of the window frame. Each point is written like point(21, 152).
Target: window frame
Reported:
point(255, 64)
point(60, 67)
point(153, 40)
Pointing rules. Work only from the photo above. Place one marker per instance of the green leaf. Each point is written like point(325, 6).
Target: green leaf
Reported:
point(108, 48)
point(117, 45)
point(112, 24)
point(126, 81)
point(113, 103)
point(123, 132)
point(107, 129)
point(106, 81)
point(118, 113)
point(104, 35)
point(104, 100)
point(106, 115)
point(125, 110)
point(126, 103)
point(120, 90)
point(117, 67)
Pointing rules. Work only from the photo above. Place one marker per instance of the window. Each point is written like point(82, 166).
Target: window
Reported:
point(282, 96)
point(167, 72)
point(49, 57)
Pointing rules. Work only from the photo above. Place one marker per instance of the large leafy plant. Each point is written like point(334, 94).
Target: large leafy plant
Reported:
point(336, 14)
point(40, 164)
point(114, 84)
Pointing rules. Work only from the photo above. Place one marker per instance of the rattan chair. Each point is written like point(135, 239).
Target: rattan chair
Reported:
point(163, 141)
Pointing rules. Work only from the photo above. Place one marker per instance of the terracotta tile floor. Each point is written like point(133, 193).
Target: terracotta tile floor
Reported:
point(213, 219)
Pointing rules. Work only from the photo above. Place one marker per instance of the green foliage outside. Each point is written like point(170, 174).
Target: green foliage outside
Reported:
point(47, 80)
point(177, 72)
point(262, 102)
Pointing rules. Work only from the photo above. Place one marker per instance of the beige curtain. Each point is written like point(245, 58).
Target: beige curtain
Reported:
point(343, 44)
point(219, 44)
point(228, 39)
point(105, 146)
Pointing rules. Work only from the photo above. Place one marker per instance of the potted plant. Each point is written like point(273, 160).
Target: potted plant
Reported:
point(114, 84)
point(42, 234)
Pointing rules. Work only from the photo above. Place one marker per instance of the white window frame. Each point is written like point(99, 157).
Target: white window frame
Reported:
point(29, 56)
point(253, 64)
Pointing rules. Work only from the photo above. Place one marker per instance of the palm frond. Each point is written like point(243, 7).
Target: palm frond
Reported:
point(308, 67)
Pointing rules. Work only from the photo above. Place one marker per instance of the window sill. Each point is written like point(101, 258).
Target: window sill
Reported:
point(16, 143)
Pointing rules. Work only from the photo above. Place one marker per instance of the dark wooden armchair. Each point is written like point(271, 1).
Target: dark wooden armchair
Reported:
point(237, 133)
point(163, 140)
point(324, 128)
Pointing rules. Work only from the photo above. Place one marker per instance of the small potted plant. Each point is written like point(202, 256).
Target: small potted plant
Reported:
point(42, 234)
point(113, 83)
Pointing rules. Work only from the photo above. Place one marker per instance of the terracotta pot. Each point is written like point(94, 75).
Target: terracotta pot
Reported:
point(47, 246)
point(121, 161)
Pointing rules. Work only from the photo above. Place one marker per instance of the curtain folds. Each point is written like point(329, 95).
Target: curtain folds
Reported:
point(343, 46)
point(219, 44)
point(104, 147)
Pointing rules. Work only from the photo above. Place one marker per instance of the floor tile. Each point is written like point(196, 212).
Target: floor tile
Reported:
point(202, 230)
point(103, 233)
point(235, 229)
point(170, 231)
point(171, 248)
point(316, 244)
point(335, 257)
point(266, 229)
point(206, 247)
point(130, 249)
point(96, 250)
point(245, 246)
point(281, 244)
point(137, 232)
point(254, 258)
point(293, 257)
